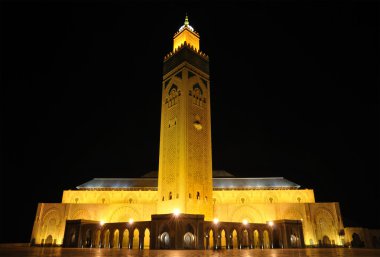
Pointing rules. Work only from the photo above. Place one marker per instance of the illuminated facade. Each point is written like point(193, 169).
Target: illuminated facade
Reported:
point(216, 210)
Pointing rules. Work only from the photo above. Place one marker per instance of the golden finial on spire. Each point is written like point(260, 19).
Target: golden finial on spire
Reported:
point(186, 21)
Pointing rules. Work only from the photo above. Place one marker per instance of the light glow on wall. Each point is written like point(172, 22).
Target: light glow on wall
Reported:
point(176, 212)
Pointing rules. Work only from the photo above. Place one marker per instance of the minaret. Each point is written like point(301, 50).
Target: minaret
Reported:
point(185, 165)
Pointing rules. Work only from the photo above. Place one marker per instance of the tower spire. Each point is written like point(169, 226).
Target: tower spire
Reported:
point(186, 21)
point(186, 34)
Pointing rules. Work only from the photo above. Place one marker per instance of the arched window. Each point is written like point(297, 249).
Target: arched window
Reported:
point(170, 196)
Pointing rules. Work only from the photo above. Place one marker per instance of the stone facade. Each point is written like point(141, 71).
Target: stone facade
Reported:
point(321, 222)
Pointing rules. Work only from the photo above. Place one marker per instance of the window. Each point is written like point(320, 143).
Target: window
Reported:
point(170, 196)
point(198, 196)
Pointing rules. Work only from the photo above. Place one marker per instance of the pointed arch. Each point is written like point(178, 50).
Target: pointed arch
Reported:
point(223, 239)
point(266, 241)
point(106, 239)
point(211, 239)
point(136, 239)
point(116, 239)
point(245, 239)
point(51, 222)
point(97, 239)
point(125, 243)
point(256, 239)
point(146, 239)
point(234, 239)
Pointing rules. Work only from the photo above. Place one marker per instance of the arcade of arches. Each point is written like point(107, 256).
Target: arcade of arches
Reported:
point(185, 231)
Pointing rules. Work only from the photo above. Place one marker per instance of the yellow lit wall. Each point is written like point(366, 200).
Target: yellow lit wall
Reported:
point(108, 197)
point(188, 36)
point(319, 219)
point(185, 163)
point(264, 196)
point(51, 218)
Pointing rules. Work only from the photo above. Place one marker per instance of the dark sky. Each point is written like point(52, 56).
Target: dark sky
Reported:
point(294, 93)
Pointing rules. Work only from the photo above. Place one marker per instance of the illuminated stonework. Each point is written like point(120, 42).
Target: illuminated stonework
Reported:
point(186, 33)
point(120, 210)
point(185, 172)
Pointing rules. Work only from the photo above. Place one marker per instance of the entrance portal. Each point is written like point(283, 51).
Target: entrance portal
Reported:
point(188, 241)
point(165, 241)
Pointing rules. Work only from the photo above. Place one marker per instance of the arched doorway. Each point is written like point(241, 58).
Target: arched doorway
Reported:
point(146, 239)
point(116, 239)
point(223, 241)
point(135, 243)
point(188, 241)
point(97, 239)
point(165, 240)
point(326, 241)
point(256, 240)
point(234, 240)
point(125, 243)
point(188, 238)
point(106, 240)
point(49, 240)
point(245, 241)
point(211, 240)
point(88, 239)
point(266, 241)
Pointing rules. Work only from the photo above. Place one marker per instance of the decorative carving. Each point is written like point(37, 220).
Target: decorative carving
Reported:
point(123, 214)
point(81, 214)
point(247, 212)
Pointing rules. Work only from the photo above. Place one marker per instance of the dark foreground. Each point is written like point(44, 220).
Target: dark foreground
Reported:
point(75, 252)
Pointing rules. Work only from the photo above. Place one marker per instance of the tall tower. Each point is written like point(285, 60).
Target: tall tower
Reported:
point(185, 165)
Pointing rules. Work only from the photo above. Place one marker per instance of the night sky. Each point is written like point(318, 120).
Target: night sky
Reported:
point(294, 93)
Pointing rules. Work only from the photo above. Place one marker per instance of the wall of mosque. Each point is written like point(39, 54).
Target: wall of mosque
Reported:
point(109, 197)
point(321, 221)
point(49, 225)
point(264, 196)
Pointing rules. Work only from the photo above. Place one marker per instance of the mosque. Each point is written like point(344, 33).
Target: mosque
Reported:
point(186, 204)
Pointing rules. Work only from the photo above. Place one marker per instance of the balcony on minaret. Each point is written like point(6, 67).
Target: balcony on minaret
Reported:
point(187, 34)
